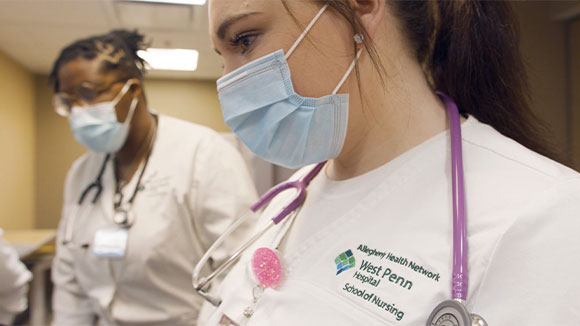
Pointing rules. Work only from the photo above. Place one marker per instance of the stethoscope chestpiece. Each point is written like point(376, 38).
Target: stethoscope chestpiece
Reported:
point(121, 217)
point(477, 320)
point(453, 313)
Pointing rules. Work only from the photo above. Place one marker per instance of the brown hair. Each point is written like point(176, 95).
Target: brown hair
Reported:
point(468, 50)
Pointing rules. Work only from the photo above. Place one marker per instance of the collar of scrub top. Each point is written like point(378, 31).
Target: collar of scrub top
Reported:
point(200, 283)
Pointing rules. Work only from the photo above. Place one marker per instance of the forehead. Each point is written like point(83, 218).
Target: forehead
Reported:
point(80, 70)
point(221, 10)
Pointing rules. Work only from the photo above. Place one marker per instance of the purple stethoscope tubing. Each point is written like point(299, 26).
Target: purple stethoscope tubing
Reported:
point(300, 187)
point(459, 273)
point(459, 281)
point(199, 282)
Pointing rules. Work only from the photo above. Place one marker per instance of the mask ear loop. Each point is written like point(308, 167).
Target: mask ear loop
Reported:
point(293, 47)
point(123, 91)
point(358, 39)
point(348, 71)
point(131, 111)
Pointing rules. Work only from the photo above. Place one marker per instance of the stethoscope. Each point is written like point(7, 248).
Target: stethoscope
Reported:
point(122, 211)
point(451, 312)
point(97, 184)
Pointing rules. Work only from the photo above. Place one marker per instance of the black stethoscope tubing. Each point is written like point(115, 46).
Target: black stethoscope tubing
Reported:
point(98, 183)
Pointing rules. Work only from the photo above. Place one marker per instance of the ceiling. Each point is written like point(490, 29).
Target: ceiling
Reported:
point(34, 31)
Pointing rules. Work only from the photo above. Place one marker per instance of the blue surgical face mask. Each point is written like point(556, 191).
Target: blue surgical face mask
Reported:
point(96, 126)
point(261, 107)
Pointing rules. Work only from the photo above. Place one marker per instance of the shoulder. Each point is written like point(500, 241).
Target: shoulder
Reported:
point(197, 148)
point(177, 132)
point(498, 170)
point(501, 153)
point(532, 203)
point(177, 128)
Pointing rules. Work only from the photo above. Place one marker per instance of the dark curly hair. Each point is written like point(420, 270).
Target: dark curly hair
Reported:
point(119, 45)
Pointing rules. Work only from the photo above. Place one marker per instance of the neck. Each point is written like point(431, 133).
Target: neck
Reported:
point(389, 120)
point(137, 145)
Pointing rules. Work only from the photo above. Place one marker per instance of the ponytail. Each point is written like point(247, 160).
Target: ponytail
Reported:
point(473, 56)
point(468, 50)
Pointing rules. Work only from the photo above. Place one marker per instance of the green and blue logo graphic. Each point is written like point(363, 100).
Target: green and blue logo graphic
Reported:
point(344, 261)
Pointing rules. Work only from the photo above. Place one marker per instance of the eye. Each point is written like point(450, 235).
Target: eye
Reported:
point(243, 41)
point(86, 93)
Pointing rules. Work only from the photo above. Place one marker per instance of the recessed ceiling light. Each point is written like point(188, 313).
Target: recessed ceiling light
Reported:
point(173, 2)
point(170, 59)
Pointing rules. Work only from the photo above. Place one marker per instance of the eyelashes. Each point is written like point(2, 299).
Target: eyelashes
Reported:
point(243, 41)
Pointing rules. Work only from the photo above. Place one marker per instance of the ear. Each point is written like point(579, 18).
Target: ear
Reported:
point(136, 88)
point(371, 13)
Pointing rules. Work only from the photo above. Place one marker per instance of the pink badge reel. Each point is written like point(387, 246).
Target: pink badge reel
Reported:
point(266, 267)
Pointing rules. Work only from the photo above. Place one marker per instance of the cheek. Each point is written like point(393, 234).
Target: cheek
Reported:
point(313, 77)
point(322, 58)
point(230, 64)
point(318, 74)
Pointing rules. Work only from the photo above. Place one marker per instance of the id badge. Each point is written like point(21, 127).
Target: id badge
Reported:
point(110, 242)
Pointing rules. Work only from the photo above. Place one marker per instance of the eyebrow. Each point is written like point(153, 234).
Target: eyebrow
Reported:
point(223, 28)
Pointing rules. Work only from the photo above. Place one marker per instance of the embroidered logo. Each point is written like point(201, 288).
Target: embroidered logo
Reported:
point(344, 261)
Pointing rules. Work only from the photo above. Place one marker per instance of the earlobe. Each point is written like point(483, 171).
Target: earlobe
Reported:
point(371, 13)
point(136, 89)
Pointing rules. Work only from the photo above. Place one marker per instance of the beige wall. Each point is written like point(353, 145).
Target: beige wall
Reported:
point(17, 131)
point(194, 101)
point(56, 149)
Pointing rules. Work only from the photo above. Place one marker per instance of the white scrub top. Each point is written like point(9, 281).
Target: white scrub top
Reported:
point(377, 249)
point(194, 186)
point(14, 278)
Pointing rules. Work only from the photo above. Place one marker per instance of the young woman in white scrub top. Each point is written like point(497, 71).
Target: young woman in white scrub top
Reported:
point(373, 242)
point(134, 224)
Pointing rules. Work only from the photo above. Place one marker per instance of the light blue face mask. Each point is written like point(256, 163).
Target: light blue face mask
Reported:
point(261, 107)
point(96, 126)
